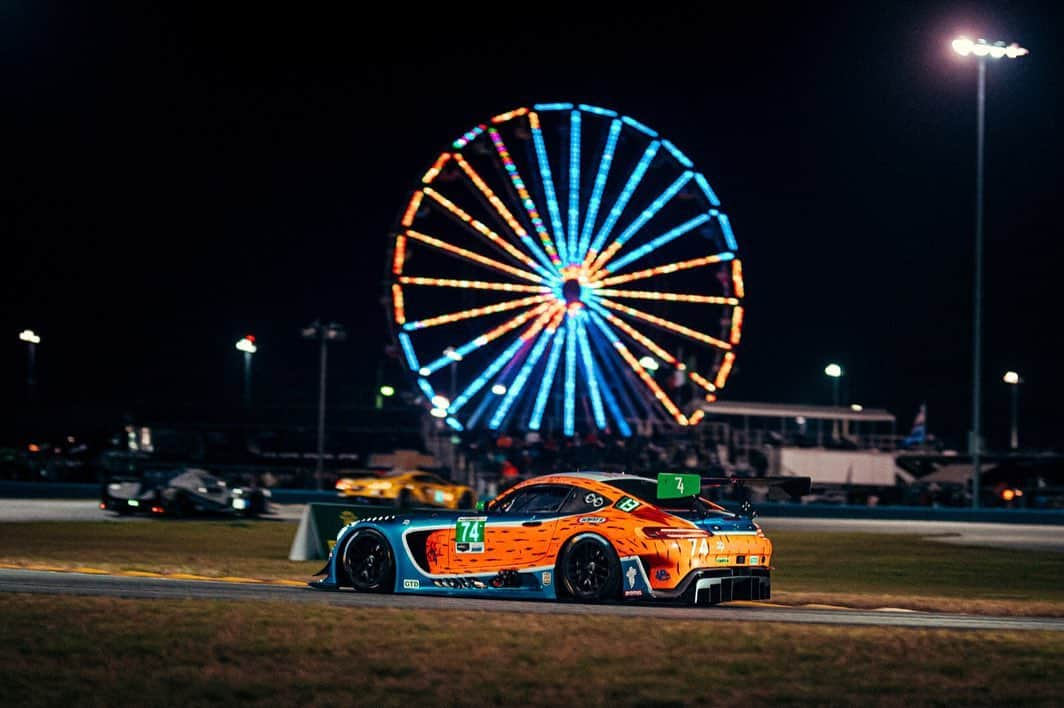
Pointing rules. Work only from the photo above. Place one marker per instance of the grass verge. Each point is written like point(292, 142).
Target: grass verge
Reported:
point(107, 652)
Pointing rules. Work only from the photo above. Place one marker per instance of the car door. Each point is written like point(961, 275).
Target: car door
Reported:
point(515, 534)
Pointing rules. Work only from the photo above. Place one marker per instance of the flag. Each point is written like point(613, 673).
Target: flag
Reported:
point(918, 434)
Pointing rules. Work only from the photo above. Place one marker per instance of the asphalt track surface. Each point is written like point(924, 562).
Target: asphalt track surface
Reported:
point(54, 583)
point(1030, 537)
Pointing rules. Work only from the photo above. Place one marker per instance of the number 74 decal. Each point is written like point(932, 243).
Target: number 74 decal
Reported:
point(469, 534)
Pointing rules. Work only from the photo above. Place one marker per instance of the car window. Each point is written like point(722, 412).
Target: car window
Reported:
point(583, 501)
point(537, 499)
point(425, 479)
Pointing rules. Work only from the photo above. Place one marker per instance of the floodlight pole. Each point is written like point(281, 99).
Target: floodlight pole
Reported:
point(335, 332)
point(975, 445)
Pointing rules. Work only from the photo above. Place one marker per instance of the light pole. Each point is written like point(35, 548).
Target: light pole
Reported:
point(324, 333)
point(32, 339)
point(1014, 381)
point(247, 345)
point(835, 372)
point(982, 51)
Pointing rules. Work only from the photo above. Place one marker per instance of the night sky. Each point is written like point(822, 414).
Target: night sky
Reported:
point(173, 180)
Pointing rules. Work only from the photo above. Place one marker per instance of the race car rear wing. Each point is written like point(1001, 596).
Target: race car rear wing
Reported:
point(673, 485)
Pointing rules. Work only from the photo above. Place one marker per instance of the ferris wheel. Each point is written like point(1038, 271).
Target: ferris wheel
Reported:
point(565, 267)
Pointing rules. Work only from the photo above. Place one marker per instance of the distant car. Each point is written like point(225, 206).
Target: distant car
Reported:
point(405, 488)
point(182, 491)
point(588, 536)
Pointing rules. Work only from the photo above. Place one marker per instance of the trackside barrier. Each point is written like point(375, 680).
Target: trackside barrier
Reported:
point(319, 525)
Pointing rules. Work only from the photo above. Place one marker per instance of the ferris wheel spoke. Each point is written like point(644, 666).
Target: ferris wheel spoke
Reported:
point(632, 394)
point(558, 343)
point(569, 401)
point(656, 243)
point(548, 185)
point(518, 384)
point(503, 212)
point(508, 355)
point(666, 324)
point(574, 185)
point(479, 228)
point(602, 385)
point(472, 256)
point(477, 285)
point(526, 198)
point(475, 312)
point(638, 370)
point(596, 194)
point(671, 191)
point(622, 201)
point(648, 343)
point(600, 279)
point(491, 335)
point(591, 374)
point(668, 297)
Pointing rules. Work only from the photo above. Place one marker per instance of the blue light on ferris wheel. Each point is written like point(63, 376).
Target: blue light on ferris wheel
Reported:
point(626, 194)
point(596, 194)
point(548, 189)
point(598, 111)
point(639, 126)
point(706, 189)
point(680, 157)
point(574, 184)
point(548, 380)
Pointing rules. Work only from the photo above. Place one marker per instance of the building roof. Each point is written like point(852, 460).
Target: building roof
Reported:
point(789, 410)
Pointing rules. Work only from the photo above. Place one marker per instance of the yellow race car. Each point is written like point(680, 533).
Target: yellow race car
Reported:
point(405, 488)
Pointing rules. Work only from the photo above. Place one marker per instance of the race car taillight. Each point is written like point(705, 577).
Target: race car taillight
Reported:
point(674, 532)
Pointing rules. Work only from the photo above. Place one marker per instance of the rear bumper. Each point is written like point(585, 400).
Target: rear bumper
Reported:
point(710, 586)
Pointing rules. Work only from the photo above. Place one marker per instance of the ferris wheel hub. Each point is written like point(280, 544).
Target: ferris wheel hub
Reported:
point(572, 290)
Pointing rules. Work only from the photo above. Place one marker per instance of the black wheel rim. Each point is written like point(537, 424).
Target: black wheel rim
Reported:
point(368, 561)
point(588, 569)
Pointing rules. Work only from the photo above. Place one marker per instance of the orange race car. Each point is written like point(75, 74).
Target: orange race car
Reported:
point(589, 536)
point(404, 488)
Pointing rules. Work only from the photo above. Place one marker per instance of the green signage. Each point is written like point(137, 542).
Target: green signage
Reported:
point(674, 486)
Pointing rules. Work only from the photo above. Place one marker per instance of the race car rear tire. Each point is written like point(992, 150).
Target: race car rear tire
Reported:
point(589, 569)
point(369, 562)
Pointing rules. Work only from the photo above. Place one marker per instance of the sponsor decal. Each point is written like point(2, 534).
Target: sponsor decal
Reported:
point(722, 560)
point(348, 517)
point(631, 577)
point(754, 560)
point(627, 504)
point(411, 584)
point(633, 593)
point(592, 519)
point(469, 534)
point(460, 583)
point(720, 546)
point(594, 500)
point(546, 578)
point(661, 574)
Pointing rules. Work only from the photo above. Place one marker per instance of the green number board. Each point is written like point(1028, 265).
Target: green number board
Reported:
point(469, 534)
point(674, 486)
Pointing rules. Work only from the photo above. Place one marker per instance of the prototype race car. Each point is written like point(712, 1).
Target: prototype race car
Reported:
point(403, 488)
point(180, 491)
point(588, 536)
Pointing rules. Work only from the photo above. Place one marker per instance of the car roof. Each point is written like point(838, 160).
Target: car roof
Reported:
point(594, 476)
